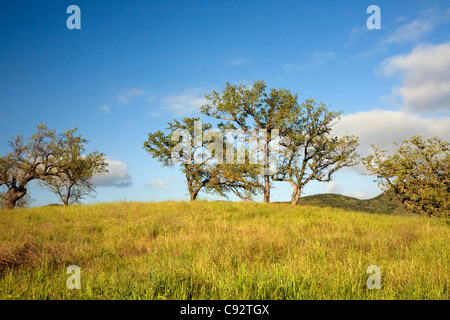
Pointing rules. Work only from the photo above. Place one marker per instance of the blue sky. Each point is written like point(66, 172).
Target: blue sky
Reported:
point(135, 65)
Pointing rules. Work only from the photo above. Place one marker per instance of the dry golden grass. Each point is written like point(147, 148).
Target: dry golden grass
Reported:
point(220, 250)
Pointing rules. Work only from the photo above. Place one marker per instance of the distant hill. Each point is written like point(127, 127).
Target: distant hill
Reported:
point(53, 205)
point(380, 204)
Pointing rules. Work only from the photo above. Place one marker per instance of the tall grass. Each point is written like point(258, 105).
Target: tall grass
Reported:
point(220, 250)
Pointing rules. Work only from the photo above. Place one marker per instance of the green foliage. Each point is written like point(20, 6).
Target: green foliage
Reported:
point(28, 160)
point(418, 174)
point(54, 159)
point(71, 177)
point(310, 151)
point(381, 204)
point(240, 179)
point(163, 147)
point(253, 109)
point(186, 145)
point(250, 107)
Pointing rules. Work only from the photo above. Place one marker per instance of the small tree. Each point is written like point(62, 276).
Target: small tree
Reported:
point(28, 160)
point(310, 151)
point(71, 178)
point(162, 147)
point(418, 175)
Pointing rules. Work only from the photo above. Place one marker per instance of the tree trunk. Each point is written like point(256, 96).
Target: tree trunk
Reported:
point(295, 196)
point(266, 171)
point(67, 197)
point(12, 196)
point(266, 189)
point(194, 195)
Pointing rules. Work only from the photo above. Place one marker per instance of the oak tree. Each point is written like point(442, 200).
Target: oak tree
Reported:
point(198, 150)
point(28, 160)
point(417, 174)
point(252, 109)
point(55, 160)
point(71, 178)
point(165, 148)
point(310, 151)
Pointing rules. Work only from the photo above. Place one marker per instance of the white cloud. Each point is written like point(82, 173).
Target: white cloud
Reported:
point(322, 57)
point(188, 102)
point(158, 183)
point(428, 20)
point(383, 127)
point(105, 108)
point(356, 33)
point(426, 77)
point(129, 94)
point(117, 175)
point(361, 195)
point(336, 188)
point(333, 187)
point(412, 31)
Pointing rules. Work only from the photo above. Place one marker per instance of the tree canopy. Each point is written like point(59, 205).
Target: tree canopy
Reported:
point(310, 152)
point(27, 161)
point(188, 145)
point(292, 142)
point(417, 174)
point(253, 109)
point(71, 178)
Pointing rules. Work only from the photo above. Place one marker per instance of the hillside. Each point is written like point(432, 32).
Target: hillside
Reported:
point(379, 204)
point(220, 250)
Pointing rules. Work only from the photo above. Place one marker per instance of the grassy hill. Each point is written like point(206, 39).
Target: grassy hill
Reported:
point(220, 250)
point(380, 204)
